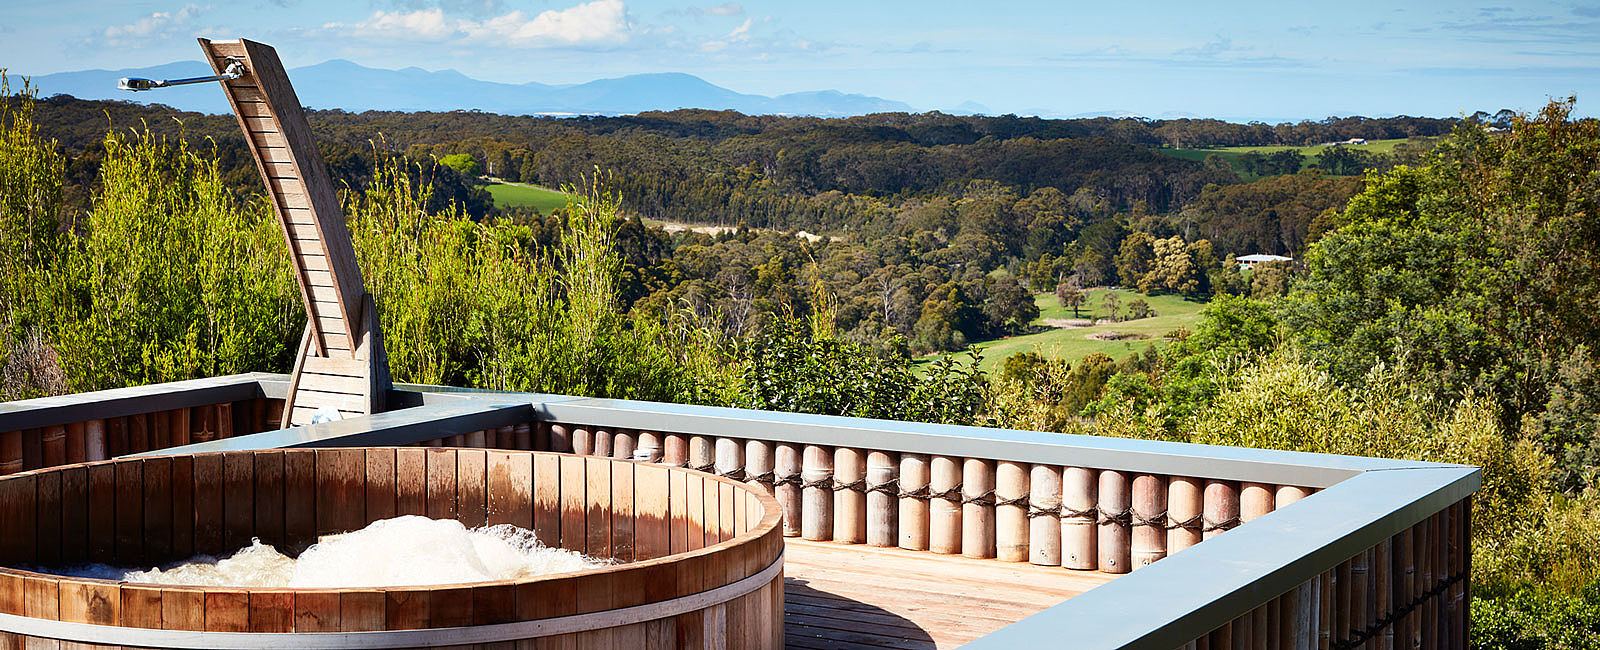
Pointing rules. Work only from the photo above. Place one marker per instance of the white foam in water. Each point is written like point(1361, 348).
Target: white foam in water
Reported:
point(407, 550)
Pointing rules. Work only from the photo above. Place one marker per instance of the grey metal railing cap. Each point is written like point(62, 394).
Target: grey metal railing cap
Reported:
point(119, 402)
point(1178, 599)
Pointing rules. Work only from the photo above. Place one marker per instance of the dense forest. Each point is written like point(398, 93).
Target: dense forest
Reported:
point(1440, 309)
point(936, 229)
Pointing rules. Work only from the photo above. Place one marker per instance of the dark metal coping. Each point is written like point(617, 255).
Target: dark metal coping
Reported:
point(1364, 500)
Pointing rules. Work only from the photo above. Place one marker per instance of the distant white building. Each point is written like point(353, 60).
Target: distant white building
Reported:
point(1248, 262)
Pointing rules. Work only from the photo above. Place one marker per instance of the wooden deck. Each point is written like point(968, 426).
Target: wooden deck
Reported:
point(856, 596)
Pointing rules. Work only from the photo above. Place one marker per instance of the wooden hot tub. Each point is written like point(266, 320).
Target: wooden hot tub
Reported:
point(700, 556)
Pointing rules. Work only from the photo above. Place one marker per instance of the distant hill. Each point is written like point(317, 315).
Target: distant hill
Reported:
point(353, 87)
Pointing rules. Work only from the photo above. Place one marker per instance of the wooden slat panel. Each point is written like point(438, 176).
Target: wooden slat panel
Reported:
point(265, 124)
point(239, 508)
point(227, 48)
point(330, 322)
point(306, 248)
point(158, 512)
point(314, 399)
point(621, 512)
point(274, 154)
point(325, 296)
point(306, 232)
point(267, 71)
point(651, 526)
point(74, 515)
point(269, 140)
point(47, 518)
point(294, 200)
point(295, 215)
point(300, 497)
point(287, 186)
point(320, 278)
point(316, 611)
point(597, 498)
point(327, 366)
point(510, 490)
point(361, 610)
point(182, 507)
point(269, 501)
point(333, 384)
point(313, 260)
point(336, 342)
point(547, 499)
point(574, 528)
point(253, 109)
point(129, 477)
point(208, 493)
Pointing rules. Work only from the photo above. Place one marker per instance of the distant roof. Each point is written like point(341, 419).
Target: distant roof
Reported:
point(1263, 258)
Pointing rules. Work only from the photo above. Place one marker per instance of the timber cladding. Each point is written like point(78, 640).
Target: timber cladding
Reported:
point(671, 542)
point(78, 441)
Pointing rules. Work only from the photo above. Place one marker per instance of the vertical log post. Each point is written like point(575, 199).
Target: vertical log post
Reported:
point(758, 464)
point(1116, 518)
point(1221, 508)
point(582, 441)
point(849, 496)
point(623, 444)
point(561, 438)
point(730, 458)
point(914, 502)
point(675, 450)
point(1149, 519)
point(977, 508)
point(649, 448)
point(1185, 509)
point(883, 495)
point(816, 522)
point(1011, 511)
point(1079, 514)
point(1255, 500)
point(944, 505)
point(1044, 515)
point(702, 454)
point(786, 486)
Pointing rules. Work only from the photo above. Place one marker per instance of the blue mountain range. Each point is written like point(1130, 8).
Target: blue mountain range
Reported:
point(353, 87)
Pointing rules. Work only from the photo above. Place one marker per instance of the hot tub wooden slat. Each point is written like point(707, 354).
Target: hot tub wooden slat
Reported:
point(316, 611)
point(441, 483)
point(574, 531)
point(129, 486)
point(510, 489)
point(141, 606)
point(381, 495)
point(208, 503)
point(271, 611)
point(102, 521)
point(238, 509)
point(17, 513)
point(299, 488)
point(157, 508)
point(269, 498)
point(547, 499)
point(182, 506)
point(47, 517)
point(227, 611)
point(622, 511)
point(341, 490)
point(450, 607)
point(677, 511)
point(74, 515)
point(406, 609)
point(652, 527)
point(472, 506)
point(161, 429)
point(597, 504)
point(362, 610)
point(183, 609)
point(411, 481)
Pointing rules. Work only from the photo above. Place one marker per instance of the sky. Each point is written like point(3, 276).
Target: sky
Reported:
point(1269, 61)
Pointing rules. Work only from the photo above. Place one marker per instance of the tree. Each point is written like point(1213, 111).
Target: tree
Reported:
point(463, 163)
point(1110, 302)
point(1009, 308)
point(1134, 258)
point(1069, 295)
point(1138, 309)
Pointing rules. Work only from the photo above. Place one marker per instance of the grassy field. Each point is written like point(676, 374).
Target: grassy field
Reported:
point(1072, 344)
point(1309, 154)
point(518, 194)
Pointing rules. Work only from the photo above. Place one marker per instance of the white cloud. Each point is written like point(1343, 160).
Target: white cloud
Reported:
point(741, 30)
point(159, 25)
point(592, 23)
point(724, 9)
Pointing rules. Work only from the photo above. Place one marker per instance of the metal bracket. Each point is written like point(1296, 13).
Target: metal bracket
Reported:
point(234, 70)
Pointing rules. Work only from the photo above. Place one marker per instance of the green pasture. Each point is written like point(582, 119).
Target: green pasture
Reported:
point(1307, 153)
point(519, 194)
point(1072, 344)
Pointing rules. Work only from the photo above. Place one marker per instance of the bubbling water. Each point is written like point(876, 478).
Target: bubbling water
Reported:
point(403, 551)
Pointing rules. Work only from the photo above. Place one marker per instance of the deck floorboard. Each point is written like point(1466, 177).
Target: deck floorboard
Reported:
point(839, 596)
